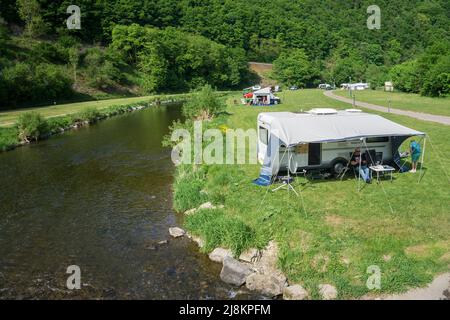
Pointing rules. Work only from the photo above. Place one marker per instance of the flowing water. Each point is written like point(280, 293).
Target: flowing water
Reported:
point(99, 198)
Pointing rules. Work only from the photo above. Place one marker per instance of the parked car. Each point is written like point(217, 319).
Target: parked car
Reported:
point(325, 86)
point(293, 88)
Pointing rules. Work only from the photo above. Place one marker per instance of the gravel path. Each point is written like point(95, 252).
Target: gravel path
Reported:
point(418, 115)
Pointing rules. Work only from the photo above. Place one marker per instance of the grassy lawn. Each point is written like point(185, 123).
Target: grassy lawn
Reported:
point(404, 101)
point(332, 233)
point(8, 118)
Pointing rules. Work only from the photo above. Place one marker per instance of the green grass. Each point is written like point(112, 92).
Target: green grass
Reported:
point(8, 118)
point(332, 222)
point(404, 101)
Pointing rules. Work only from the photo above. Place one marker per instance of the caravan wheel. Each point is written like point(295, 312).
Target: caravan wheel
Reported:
point(338, 166)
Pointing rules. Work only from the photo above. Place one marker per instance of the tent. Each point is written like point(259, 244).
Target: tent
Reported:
point(289, 130)
point(265, 97)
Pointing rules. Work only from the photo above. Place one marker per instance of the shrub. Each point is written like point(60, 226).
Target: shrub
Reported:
point(188, 191)
point(406, 77)
point(8, 138)
point(204, 104)
point(31, 126)
point(90, 114)
point(220, 230)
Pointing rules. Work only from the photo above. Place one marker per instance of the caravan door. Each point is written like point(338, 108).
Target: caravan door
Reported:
point(263, 141)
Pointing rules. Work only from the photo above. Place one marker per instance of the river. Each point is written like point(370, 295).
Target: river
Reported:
point(99, 198)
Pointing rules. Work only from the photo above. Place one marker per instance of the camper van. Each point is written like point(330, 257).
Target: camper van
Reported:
point(326, 138)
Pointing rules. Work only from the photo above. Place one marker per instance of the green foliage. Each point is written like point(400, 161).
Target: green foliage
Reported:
point(203, 104)
point(100, 68)
point(24, 82)
point(429, 74)
point(220, 230)
point(9, 138)
point(188, 188)
point(175, 60)
point(437, 80)
point(295, 68)
point(405, 76)
point(30, 12)
point(30, 126)
point(89, 114)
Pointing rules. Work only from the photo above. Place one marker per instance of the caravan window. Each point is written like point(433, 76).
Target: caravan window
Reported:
point(264, 135)
point(377, 139)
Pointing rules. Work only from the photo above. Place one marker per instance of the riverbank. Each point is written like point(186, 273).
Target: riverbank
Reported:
point(332, 234)
point(79, 115)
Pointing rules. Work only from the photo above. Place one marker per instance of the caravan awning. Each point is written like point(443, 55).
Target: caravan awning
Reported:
point(298, 128)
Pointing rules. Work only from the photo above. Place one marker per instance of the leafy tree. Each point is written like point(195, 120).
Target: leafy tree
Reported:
point(437, 79)
point(294, 68)
point(405, 76)
point(30, 12)
point(204, 104)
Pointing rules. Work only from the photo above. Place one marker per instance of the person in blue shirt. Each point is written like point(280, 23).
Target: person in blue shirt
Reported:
point(415, 154)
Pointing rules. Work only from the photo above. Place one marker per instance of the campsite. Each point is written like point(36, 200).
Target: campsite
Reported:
point(332, 232)
point(225, 150)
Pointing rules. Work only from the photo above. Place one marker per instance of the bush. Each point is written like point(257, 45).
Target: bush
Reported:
point(436, 83)
point(406, 77)
point(8, 138)
point(31, 126)
point(90, 114)
point(188, 191)
point(204, 104)
point(220, 230)
point(27, 83)
point(294, 68)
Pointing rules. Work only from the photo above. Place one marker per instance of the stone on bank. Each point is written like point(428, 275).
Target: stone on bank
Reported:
point(218, 254)
point(234, 272)
point(295, 292)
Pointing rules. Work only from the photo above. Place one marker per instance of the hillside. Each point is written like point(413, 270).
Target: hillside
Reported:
point(144, 47)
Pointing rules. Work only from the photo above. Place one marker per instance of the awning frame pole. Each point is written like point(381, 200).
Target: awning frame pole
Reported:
point(423, 158)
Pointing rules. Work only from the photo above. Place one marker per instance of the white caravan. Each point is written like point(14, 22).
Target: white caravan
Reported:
point(326, 139)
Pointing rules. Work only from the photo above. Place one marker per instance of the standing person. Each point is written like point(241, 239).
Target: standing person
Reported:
point(415, 151)
point(358, 159)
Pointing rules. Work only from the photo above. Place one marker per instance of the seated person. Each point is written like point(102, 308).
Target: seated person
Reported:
point(355, 162)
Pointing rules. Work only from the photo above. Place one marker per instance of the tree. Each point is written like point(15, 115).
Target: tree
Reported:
point(294, 68)
point(74, 58)
point(406, 77)
point(30, 12)
point(437, 81)
point(204, 104)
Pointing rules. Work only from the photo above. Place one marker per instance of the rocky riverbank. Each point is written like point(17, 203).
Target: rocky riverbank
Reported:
point(256, 269)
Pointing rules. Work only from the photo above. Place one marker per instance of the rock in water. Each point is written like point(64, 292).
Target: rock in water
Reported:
point(176, 232)
point(295, 292)
point(266, 284)
point(218, 254)
point(234, 272)
point(328, 292)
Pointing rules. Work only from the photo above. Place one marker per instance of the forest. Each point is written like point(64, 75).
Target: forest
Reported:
point(127, 47)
